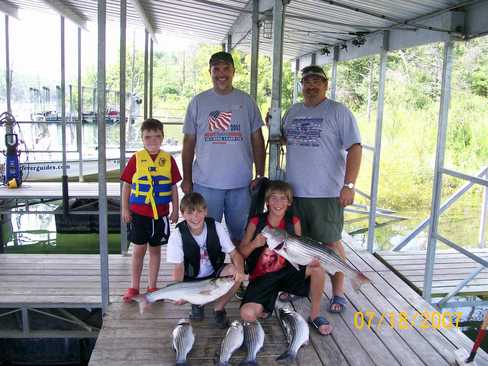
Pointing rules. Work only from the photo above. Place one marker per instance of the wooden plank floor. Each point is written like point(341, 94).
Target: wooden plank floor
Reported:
point(451, 267)
point(128, 338)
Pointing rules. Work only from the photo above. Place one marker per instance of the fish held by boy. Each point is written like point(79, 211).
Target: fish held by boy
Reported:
point(232, 341)
point(302, 250)
point(297, 333)
point(183, 339)
point(199, 292)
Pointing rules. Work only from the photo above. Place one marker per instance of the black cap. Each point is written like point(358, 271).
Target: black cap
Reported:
point(221, 57)
point(313, 70)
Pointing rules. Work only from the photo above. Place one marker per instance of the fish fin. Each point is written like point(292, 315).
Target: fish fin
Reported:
point(286, 357)
point(143, 303)
point(295, 265)
point(359, 280)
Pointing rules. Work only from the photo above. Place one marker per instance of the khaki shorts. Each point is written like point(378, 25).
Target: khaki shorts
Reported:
point(322, 219)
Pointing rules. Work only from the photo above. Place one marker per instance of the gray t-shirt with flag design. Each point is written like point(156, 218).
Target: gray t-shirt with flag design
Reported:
point(317, 140)
point(223, 125)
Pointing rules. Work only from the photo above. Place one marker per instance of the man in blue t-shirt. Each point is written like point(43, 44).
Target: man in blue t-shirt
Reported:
point(222, 139)
point(323, 157)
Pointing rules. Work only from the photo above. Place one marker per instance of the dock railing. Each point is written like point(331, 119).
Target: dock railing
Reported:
point(482, 179)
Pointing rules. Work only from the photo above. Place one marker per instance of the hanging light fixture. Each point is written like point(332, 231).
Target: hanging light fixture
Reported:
point(267, 25)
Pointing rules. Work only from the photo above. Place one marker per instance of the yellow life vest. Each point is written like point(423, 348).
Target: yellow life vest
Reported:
point(151, 183)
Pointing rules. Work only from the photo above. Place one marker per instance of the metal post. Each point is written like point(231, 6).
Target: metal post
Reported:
point(151, 76)
point(8, 86)
point(313, 58)
point(296, 82)
point(254, 50)
point(229, 42)
point(333, 76)
point(62, 99)
point(223, 46)
point(79, 125)
point(146, 72)
point(122, 98)
point(94, 101)
point(275, 111)
point(439, 165)
point(377, 143)
point(484, 214)
point(102, 162)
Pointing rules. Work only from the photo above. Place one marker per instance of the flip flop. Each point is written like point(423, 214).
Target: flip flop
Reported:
point(337, 300)
point(151, 289)
point(130, 294)
point(287, 297)
point(318, 322)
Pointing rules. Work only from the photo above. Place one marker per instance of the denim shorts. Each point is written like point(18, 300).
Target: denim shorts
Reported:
point(232, 203)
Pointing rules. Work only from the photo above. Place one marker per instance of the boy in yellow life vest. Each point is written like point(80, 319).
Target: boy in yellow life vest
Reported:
point(150, 179)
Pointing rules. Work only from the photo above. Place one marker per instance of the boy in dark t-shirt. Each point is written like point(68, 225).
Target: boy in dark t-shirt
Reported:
point(269, 273)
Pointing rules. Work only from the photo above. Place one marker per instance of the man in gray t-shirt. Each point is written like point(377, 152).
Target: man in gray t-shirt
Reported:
point(222, 139)
point(323, 157)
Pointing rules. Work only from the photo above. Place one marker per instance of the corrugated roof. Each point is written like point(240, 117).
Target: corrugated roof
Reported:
point(309, 24)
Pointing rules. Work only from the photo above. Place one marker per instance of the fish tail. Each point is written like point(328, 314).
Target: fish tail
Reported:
point(287, 357)
point(359, 280)
point(143, 302)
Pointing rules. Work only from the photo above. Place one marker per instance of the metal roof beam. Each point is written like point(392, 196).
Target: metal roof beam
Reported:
point(61, 8)
point(145, 19)
point(9, 9)
point(398, 39)
point(476, 24)
point(243, 23)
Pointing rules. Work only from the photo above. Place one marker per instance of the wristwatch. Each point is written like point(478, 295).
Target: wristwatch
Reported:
point(349, 185)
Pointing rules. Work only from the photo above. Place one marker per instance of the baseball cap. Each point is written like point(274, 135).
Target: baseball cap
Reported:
point(221, 57)
point(313, 70)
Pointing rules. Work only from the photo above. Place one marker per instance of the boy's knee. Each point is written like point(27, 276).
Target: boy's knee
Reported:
point(249, 313)
point(316, 271)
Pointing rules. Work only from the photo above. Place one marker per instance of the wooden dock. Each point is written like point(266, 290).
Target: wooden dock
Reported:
point(128, 338)
point(450, 268)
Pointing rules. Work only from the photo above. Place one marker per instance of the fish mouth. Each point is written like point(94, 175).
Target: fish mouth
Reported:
point(279, 246)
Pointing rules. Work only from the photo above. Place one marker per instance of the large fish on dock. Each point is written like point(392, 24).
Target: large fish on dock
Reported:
point(232, 341)
point(297, 333)
point(253, 340)
point(183, 340)
point(302, 250)
point(199, 292)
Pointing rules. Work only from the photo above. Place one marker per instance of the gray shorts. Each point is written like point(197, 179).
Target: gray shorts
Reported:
point(322, 219)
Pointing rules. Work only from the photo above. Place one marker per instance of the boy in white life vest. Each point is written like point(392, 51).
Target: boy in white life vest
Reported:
point(149, 187)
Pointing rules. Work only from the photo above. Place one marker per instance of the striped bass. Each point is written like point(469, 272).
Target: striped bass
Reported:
point(199, 292)
point(183, 340)
point(254, 340)
point(302, 250)
point(232, 341)
point(297, 332)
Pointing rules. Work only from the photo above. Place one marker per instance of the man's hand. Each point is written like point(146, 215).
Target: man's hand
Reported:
point(346, 196)
point(255, 182)
point(126, 215)
point(174, 216)
point(186, 186)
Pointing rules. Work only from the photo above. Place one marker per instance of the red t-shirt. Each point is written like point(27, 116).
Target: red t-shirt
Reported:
point(269, 260)
point(146, 210)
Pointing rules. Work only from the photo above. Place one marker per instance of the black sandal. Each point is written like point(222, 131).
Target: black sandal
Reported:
point(318, 322)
